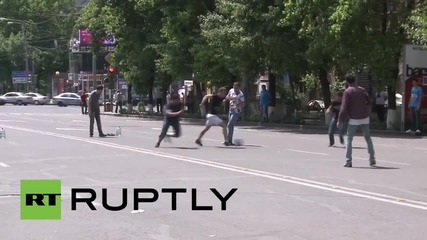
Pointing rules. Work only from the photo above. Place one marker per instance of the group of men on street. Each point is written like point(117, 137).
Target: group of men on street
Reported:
point(174, 110)
point(351, 111)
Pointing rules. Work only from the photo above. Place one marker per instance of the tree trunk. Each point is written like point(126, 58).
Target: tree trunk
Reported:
point(324, 83)
point(129, 93)
point(272, 89)
point(165, 87)
point(391, 89)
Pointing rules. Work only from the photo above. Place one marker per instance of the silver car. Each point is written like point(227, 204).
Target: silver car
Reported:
point(16, 98)
point(65, 99)
point(38, 99)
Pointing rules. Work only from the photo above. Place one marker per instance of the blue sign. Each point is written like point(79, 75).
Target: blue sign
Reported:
point(19, 77)
point(18, 74)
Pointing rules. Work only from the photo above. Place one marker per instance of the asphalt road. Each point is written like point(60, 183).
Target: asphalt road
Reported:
point(290, 184)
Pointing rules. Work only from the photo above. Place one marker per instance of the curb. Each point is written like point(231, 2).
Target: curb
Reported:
point(264, 126)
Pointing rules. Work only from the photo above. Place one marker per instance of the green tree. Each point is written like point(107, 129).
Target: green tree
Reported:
point(47, 27)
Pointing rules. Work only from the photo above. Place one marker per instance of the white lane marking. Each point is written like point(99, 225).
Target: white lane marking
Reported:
point(71, 129)
point(79, 121)
point(308, 152)
point(299, 181)
point(422, 149)
point(3, 165)
point(156, 129)
point(397, 163)
point(15, 121)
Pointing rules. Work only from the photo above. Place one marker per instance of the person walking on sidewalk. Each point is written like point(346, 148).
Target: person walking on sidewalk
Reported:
point(335, 110)
point(95, 112)
point(173, 111)
point(237, 102)
point(212, 118)
point(355, 108)
point(414, 106)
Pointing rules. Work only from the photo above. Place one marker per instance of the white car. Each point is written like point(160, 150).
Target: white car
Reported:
point(16, 98)
point(38, 99)
point(65, 99)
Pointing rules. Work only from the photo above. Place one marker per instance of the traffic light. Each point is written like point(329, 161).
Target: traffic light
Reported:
point(111, 79)
point(111, 70)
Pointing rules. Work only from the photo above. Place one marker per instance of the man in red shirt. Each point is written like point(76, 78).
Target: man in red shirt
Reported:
point(355, 109)
point(83, 99)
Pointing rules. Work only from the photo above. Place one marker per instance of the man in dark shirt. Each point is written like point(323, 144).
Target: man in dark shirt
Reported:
point(173, 111)
point(335, 109)
point(95, 112)
point(355, 109)
point(212, 116)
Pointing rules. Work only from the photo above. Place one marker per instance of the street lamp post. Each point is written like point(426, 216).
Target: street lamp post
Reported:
point(24, 32)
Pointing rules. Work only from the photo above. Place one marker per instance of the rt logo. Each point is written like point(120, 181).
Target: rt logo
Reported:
point(40, 199)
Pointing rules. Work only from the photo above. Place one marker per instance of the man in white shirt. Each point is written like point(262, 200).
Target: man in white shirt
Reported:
point(237, 102)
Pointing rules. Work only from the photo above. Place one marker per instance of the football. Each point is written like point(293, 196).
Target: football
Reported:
point(238, 142)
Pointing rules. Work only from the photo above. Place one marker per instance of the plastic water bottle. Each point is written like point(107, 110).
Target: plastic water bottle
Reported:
point(118, 131)
point(2, 133)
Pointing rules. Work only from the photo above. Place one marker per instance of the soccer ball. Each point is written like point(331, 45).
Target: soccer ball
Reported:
point(238, 142)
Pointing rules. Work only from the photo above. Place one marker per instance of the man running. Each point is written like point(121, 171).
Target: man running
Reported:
point(173, 111)
point(212, 116)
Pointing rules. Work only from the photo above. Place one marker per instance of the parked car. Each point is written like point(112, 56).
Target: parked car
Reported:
point(38, 99)
point(65, 99)
point(16, 98)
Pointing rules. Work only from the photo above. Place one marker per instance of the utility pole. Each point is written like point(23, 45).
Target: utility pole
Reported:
point(27, 67)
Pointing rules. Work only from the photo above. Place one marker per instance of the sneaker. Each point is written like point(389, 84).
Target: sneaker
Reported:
point(91, 135)
point(372, 163)
point(418, 131)
point(409, 131)
point(228, 144)
point(157, 145)
point(342, 140)
point(102, 135)
point(348, 164)
point(199, 142)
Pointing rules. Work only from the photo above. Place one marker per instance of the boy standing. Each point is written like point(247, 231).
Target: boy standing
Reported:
point(414, 106)
point(237, 103)
point(212, 116)
point(264, 100)
point(173, 111)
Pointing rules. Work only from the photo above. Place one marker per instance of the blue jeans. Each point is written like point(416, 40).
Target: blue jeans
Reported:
point(264, 111)
point(366, 133)
point(415, 120)
point(333, 128)
point(232, 118)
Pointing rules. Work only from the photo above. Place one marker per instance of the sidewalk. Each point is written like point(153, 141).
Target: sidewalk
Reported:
point(294, 127)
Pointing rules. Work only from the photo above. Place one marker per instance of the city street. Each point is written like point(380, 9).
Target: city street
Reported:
point(291, 185)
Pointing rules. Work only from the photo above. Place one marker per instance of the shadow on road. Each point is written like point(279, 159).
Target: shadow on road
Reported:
point(377, 168)
point(185, 148)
